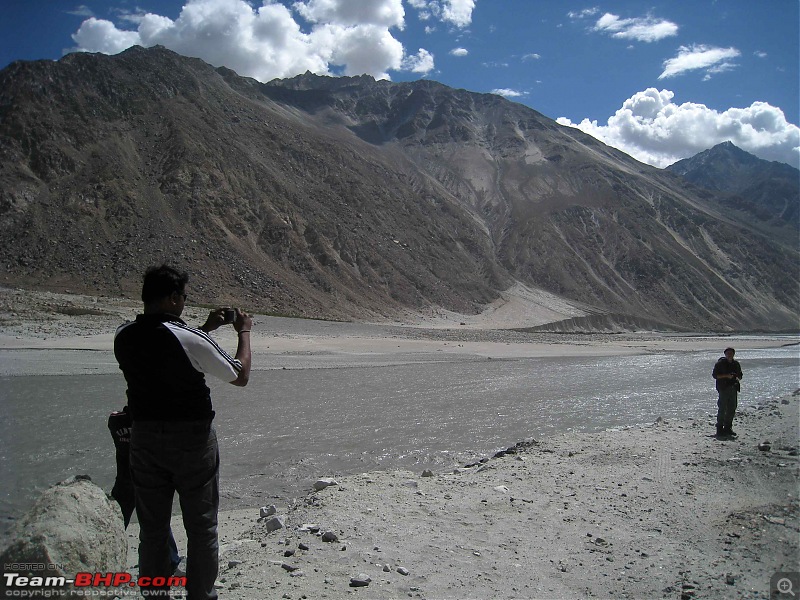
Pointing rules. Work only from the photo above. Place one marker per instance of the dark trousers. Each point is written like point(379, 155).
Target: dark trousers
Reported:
point(726, 407)
point(182, 457)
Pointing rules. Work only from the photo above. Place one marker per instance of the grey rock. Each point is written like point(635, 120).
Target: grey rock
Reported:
point(268, 511)
point(427, 473)
point(72, 527)
point(361, 580)
point(321, 484)
point(329, 536)
point(274, 524)
point(402, 570)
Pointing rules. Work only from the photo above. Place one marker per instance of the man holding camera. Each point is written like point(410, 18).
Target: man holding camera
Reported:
point(173, 445)
point(727, 373)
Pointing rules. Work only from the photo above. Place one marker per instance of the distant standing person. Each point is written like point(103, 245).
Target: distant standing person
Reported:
point(173, 445)
point(727, 373)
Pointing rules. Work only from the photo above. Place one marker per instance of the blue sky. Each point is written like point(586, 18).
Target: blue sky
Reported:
point(660, 80)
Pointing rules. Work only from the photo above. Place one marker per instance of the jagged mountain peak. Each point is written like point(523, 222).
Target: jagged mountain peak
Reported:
point(763, 192)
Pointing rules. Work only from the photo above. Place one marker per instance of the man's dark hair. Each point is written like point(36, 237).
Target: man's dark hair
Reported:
point(162, 282)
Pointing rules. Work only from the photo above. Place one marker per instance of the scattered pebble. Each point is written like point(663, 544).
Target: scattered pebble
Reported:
point(323, 483)
point(361, 580)
point(329, 536)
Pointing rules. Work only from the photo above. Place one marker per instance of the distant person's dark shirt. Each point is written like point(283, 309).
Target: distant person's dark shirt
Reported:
point(723, 367)
point(164, 361)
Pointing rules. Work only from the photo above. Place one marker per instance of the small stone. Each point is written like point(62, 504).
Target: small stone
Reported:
point(361, 580)
point(402, 570)
point(288, 567)
point(274, 524)
point(329, 536)
point(303, 547)
point(427, 473)
point(730, 579)
point(267, 511)
point(234, 563)
point(288, 553)
point(387, 569)
point(321, 484)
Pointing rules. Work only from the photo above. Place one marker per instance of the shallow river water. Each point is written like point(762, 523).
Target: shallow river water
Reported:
point(291, 426)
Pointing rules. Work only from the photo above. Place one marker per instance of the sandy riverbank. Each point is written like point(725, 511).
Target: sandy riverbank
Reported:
point(664, 511)
point(65, 324)
point(652, 512)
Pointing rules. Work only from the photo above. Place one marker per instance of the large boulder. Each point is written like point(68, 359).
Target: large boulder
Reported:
point(73, 527)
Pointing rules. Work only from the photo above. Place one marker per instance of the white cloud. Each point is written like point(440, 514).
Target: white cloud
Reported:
point(421, 62)
point(582, 14)
point(81, 11)
point(459, 52)
point(353, 12)
point(353, 36)
point(508, 93)
point(98, 35)
point(698, 56)
point(532, 56)
point(455, 12)
point(654, 130)
point(641, 29)
point(458, 12)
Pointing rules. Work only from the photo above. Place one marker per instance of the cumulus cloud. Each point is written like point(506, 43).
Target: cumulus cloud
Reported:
point(706, 58)
point(640, 29)
point(508, 93)
point(455, 12)
point(459, 52)
point(458, 12)
point(653, 129)
point(421, 62)
point(349, 36)
point(352, 12)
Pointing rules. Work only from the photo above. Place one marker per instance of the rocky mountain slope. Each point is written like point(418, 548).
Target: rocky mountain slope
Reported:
point(356, 198)
point(764, 193)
